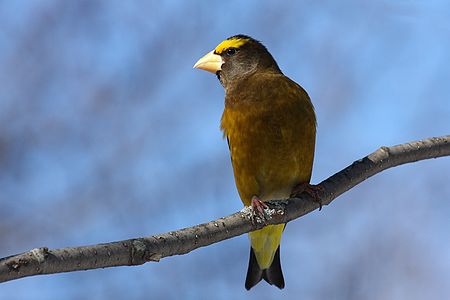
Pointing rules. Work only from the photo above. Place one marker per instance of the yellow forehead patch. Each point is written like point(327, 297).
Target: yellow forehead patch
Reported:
point(230, 43)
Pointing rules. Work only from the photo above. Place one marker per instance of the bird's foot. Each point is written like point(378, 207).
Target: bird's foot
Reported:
point(258, 208)
point(311, 189)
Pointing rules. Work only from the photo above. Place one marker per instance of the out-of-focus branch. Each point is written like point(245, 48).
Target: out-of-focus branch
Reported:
point(140, 250)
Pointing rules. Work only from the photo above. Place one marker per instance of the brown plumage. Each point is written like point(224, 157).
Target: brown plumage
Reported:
point(270, 125)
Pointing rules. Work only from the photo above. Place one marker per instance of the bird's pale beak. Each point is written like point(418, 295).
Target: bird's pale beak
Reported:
point(210, 62)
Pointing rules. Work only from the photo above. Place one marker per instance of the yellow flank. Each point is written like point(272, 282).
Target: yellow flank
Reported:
point(230, 43)
point(265, 243)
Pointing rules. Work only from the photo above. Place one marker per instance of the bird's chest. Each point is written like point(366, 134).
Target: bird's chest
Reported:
point(260, 151)
point(253, 134)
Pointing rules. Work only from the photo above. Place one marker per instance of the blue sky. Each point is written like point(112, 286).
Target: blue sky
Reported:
point(108, 133)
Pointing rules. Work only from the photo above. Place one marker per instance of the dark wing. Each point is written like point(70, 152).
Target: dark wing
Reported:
point(229, 148)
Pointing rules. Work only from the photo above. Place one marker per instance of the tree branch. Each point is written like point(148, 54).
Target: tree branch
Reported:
point(141, 250)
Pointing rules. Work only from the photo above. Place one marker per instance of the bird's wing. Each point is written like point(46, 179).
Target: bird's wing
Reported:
point(229, 148)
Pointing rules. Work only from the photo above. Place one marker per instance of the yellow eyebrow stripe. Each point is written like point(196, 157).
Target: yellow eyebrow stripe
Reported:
point(230, 43)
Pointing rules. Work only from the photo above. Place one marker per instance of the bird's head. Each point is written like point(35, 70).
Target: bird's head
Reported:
point(236, 58)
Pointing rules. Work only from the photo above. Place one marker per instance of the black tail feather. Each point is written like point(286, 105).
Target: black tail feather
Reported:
point(254, 273)
point(273, 275)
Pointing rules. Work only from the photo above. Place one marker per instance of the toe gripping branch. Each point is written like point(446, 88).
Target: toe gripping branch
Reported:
point(311, 189)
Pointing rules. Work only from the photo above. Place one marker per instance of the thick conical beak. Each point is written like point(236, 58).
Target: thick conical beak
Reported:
point(210, 62)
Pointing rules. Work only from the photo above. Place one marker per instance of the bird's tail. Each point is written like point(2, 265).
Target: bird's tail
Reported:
point(272, 275)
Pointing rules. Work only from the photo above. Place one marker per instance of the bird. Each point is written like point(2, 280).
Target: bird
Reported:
point(270, 126)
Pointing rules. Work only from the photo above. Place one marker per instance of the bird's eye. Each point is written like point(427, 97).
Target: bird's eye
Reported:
point(231, 51)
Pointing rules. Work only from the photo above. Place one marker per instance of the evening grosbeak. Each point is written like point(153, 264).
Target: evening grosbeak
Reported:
point(270, 125)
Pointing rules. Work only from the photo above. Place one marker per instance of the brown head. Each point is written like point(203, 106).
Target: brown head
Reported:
point(236, 58)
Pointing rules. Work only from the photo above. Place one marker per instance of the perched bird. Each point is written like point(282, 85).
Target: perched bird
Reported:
point(270, 125)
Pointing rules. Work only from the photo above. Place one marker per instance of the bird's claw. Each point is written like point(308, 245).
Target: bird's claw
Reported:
point(258, 207)
point(310, 189)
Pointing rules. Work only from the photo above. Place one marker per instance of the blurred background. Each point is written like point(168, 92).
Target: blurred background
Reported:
point(107, 133)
